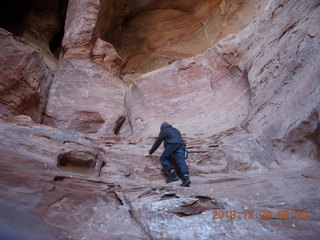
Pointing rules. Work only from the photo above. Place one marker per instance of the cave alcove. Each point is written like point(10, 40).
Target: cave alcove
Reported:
point(39, 22)
point(150, 34)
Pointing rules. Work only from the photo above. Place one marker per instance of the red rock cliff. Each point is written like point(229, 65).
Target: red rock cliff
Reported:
point(85, 85)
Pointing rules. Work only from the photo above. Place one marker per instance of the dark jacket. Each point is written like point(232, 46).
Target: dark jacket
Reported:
point(168, 134)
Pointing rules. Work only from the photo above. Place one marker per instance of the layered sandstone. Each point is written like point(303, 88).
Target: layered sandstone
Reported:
point(152, 34)
point(248, 83)
point(87, 94)
point(248, 108)
point(24, 78)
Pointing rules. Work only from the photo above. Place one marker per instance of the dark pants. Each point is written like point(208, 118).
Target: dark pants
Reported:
point(178, 151)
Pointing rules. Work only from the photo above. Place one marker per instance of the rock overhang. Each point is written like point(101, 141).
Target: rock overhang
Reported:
point(149, 35)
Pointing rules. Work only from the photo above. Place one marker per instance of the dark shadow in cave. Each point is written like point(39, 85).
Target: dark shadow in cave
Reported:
point(15, 18)
point(55, 43)
point(119, 124)
point(12, 15)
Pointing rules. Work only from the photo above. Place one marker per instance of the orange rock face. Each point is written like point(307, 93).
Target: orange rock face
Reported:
point(152, 34)
point(248, 107)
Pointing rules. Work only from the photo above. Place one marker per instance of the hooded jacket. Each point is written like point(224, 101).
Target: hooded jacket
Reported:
point(168, 134)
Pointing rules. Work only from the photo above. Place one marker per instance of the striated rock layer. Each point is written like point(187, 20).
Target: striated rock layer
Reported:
point(75, 187)
point(87, 94)
point(152, 34)
point(262, 83)
point(24, 78)
point(188, 93)
point(248, 108)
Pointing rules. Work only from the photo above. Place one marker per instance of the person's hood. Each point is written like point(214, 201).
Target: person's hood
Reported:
point(165, 125)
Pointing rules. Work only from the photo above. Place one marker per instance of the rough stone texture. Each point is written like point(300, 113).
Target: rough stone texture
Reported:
point(39, 22)
point(24, 78)
point(271, 99)
point(86, 93)
point(283, 73)
point(85, 96)
point(248, 109)
point(125, 197)
point(79, 27)
point(188, 93)
point(68, 200)
point(105, 53)
point(186, 28)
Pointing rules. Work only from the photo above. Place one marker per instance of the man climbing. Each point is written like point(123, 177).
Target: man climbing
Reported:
point(174, 145)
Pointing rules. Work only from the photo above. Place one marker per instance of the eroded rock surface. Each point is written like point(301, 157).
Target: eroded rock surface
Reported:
point(24, 78)
point(126, 198)
point(266, 99)
point(248, 108)
point(187, 93)
point(152, 34)
point(283, 74)
point(38, 22)
point(87, 95)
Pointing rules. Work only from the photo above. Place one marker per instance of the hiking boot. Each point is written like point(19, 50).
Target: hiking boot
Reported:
point(185, 181)
point(173, 177)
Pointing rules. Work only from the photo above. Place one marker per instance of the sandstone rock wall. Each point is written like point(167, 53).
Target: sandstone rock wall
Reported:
point(283, 74)
point(152, 34)
point(271, 99)
point(202, 96)
point(87, 95)
point(248, 108)
point(24, 78)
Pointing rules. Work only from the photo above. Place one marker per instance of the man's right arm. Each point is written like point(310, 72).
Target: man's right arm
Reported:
point(157, 142)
